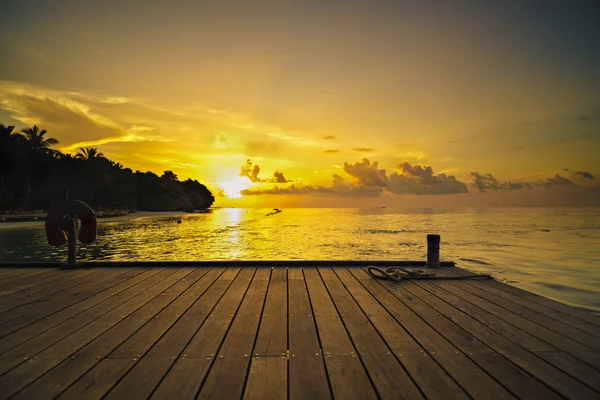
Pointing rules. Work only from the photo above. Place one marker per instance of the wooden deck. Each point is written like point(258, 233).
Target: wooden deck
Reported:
point(298, 333)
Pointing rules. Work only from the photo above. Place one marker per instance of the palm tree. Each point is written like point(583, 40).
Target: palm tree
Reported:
point(96, 169)
point(89, 153)
point(36, 140)
point(35, 145)
point(6, 138)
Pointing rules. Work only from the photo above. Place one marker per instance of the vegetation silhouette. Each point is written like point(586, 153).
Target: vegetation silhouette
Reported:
point(33, 175)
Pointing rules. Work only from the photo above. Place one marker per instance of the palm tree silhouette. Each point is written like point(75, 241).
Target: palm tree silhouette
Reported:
point(95, 165)
point(35, 145)
point(89, 153)
point(36, 140)
point(6, 138)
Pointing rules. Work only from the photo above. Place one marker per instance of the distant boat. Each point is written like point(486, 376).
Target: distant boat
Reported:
point(275, 211)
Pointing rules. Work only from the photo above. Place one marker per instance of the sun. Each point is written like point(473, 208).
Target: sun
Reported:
point(233, 188)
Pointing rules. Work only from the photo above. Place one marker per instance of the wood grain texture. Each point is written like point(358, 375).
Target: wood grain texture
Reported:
point(303, 332)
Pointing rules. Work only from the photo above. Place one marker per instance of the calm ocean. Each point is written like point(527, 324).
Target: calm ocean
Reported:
point(553, 252)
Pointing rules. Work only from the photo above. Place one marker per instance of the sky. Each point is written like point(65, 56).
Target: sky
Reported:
point(320, 103)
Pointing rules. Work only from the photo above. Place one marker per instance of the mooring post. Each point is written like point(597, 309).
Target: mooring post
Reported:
point(69, 225)
point(433, 251)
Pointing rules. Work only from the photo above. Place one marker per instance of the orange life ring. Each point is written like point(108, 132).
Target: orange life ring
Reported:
point(56, 236)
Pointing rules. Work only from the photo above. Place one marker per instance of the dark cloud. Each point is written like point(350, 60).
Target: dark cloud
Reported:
point(488, 182)
point(291, 190)
point(279, 178)
point(424, 175)
point(338, 188)
point(367, 174)
point(328, 137)
point(251, 172)
point(372, 182)
point(582, 174)
point(363, 149)
point(422, 181)
point(559, 181)
point(331, 151)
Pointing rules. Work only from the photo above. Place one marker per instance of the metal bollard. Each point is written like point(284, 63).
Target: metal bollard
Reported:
point(69, 225)
point(433, 251)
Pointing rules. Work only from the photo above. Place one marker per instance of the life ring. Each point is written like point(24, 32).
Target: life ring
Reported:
point(56, 236)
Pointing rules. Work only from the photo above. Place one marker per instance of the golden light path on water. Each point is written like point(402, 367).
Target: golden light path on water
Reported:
point(553, 252)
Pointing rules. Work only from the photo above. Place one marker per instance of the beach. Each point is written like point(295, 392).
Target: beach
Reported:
point(128, 217)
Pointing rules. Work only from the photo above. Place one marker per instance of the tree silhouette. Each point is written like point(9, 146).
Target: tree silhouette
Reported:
point(6, 136)
point(35, 147)
point(169, 175)
point(36, 140)
point(33, 175)
point(88, 153)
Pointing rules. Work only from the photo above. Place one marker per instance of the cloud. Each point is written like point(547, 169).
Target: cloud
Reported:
point(485, 182)
point(424, 175)
point(367, 174)
point(488, 182)
point(373, 182)
point(582, 174)
point(328, 137)
point(338, 188)
point(251, 172)
point(279, 178)
point(559, 181)
point(420, 180)
point(291, 190)
point(331, 151)
point(363, 149)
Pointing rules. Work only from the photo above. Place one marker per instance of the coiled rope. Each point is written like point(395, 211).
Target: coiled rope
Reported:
point(397, 274)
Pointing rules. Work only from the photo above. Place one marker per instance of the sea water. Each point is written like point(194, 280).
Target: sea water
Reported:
point(553, 252)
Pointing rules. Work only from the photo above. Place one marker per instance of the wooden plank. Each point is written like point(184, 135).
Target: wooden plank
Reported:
point(307, 375)
point(442, 337)
point(25, 277)
point(388, 374)
point(150, 369)
point(21, 272)
point(47, 304)
point(98, 381)
point(103, 335)
point(483, 326)
point(5, 272)
point(228, 373)
point(205, 343)
point(483, 291)
point(577, 350)
point(347, 374)
point(33, 285)
point(579, 313)
point(42, 319)
point(77, 326)
point(437, 369)
point(496, 288)
point(272, 339)
point(272, 335)
point(52, 366)
point(272, 384)
point(17, 310)
point(41, 293)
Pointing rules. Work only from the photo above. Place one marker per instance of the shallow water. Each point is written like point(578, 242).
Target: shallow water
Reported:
point(552, 252)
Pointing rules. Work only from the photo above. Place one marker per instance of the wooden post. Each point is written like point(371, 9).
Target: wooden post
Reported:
point(433, 251)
